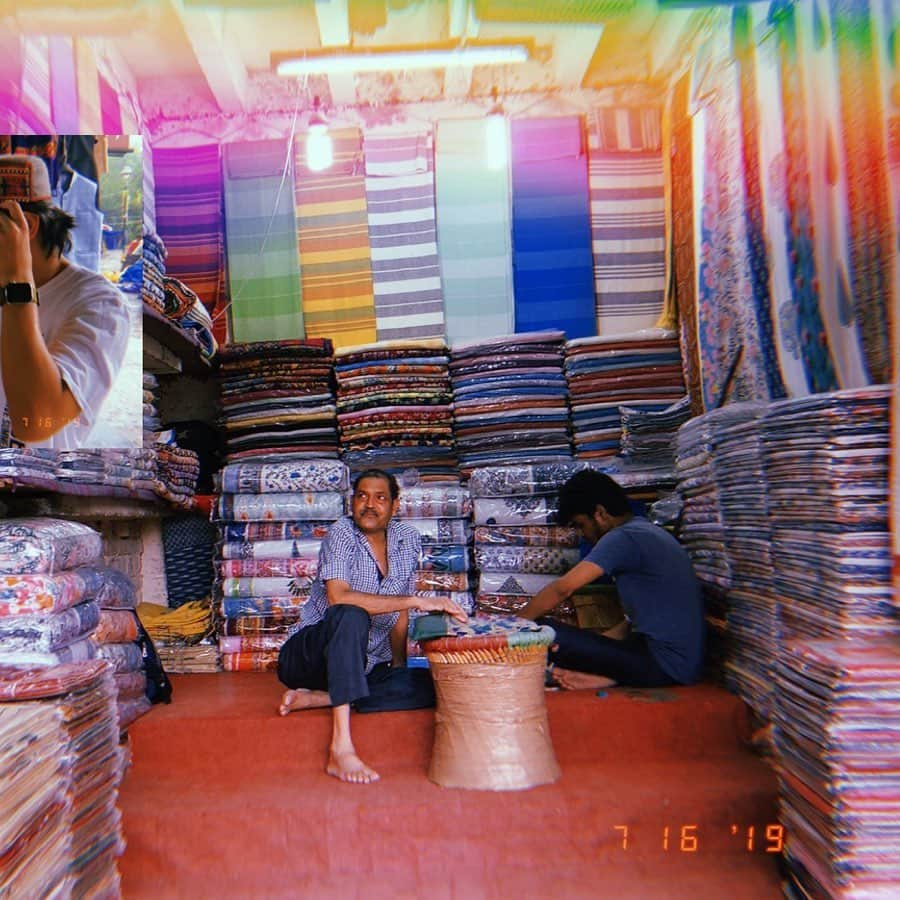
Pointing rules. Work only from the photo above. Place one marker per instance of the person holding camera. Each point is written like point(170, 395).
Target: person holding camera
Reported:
point(63, 329)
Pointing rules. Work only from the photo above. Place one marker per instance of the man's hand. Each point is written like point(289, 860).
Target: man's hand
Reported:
point(440, 604)
point(15, 244)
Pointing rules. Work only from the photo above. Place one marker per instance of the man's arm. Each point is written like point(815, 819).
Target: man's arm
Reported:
point(339, 591)
point(561, 589)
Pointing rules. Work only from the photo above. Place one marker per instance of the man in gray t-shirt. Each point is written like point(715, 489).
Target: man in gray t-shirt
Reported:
point(662, 642)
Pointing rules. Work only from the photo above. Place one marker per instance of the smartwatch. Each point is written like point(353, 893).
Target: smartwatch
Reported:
point(18, 292)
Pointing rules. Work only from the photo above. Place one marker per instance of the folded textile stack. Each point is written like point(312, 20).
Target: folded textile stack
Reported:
point(518, 548)
point(183, 636)
point(826, 459)
point(178, 471)
point(394, 408)
point(81, 698)
point(153, 254)
point(46, 614)
point(117, 626)
point(641, 371)
point(27, 466)
point(442, 515)
point(648, 436)
point(152, 426)
point(837, 718)
point(122, 473)
point(35, 809)
point(278, 398)
point(510, 400)
point(751, 604)
point(272, 518)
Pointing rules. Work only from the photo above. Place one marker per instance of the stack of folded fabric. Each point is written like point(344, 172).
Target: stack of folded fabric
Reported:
point(153, 254)
point(114, 593)
point(826, 460)
point(183, 636)
point(178, 470)
point(198, 322)
point(81, 697)
point(394, 408)
point(278, 398)
point(641, 371)
point(648, 436)
point(119, 473)
point(27, 467)
point(46, 614)
point(518, 548)
point(750, 615)
point(442, 515)
point(151, 422)
point(510, 400)
point(836, 724)
point(272, 517)
point(35, 809)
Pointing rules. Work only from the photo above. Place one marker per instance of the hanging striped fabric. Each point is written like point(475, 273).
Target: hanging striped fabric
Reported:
point(36, 107)
point(88, 89)
point(626, 129)
point(109, 108)
point(551, 227)
point(149, 187)
point(402, 232)
point(333, 240)
point(261, 239)
point(473, 227)
point(63, 86)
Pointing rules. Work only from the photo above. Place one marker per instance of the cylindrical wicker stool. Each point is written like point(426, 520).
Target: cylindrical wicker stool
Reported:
point(491, 730)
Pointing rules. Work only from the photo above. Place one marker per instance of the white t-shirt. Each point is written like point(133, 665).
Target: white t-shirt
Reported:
point(85, 323)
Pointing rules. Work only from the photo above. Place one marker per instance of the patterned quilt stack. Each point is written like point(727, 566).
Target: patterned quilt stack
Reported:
point(394, 408)
point(272, 518)
point(641, 371)
point(277, 399)
point(510, 400)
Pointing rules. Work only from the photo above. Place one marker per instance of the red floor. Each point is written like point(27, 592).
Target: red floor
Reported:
point(227, 799)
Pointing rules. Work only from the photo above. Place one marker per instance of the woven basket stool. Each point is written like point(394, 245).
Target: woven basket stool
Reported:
point(491, 729)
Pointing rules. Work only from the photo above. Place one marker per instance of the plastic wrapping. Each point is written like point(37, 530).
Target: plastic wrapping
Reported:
point(529, 510)
point(130, 710)
point(527, 560)
point(513, 583)
point(232, 588)
point(263, 643)
point(271, 549)
point(441, 581)
point(666, 510)
point(491, 728)
point(77, 651)
point(442, 531)
point(40, 593)
point(280, 507)
point(439, 501)
point(47, 632)
point(285, 477)
point(527, 535)
point(268, 568)
point(442, 558)
point(109, 587)
point(122, 657)
point(265, 661)
point(38, 545)
point(117, 626)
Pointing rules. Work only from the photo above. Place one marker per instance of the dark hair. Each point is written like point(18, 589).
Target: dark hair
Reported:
point(587, 490)
point(54, 225)
point(379, 473)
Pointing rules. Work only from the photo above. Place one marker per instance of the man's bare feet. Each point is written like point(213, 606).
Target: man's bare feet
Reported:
point(347, 766)
point(301, 698)
point(570, 680)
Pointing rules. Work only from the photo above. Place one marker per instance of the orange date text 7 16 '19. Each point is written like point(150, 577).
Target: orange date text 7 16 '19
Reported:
point(686, 838)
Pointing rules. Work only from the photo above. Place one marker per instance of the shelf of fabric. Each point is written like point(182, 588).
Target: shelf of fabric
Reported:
point(170, 350)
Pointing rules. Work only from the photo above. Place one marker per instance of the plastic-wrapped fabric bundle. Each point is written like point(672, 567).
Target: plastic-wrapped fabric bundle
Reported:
point(442, 531)
point(528, 560)
point(434, 501)
point(44, 546)
point(532, 510)
point(29, 594)
point(76, 652)
point(527, 535)
point(251, 532)
point(257, 643)
point(437, 558)
point(298, 476)
point(513, 583)
point(48, 632)
point(265, 587)
point(110, 588)
point(266, 661)
point(274, 549)
point(522, 480)
point(280, 507)
point(122, 657)
point(116, 626)
point(287, 607)
point(268, 568)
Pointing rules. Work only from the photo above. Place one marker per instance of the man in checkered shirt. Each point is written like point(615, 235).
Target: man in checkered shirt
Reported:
point(349, 647)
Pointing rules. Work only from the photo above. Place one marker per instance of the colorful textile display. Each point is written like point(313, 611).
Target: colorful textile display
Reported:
point(298, 475)
point(27, 594)
point(327, 505)
point(406, 274)
point(650, 436)
point(551, 227)
point(48, 632)
point(473, 220)
point(39, 545)
point(261, 240)
point(153, 259)
point(394, 407)
point(641, 371)
point(510, 400)
point(333, 239)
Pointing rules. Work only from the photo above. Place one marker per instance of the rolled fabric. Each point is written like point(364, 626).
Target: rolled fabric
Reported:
point(77, 652)
point(277, 549)
point(265, 587)
point(442, 581)
point(434, 502)
point(302, 476)
point(250, 662)
point(280, 507)
point(261, 643)
point(513, 583)
point(442, 531)
point(532, 560)
point(435, 558)
point(253, 532)
point(531, 510)
point(268, 568)
point(287, 608)
point(527, 535)
point(522, 480)
point(43, 546)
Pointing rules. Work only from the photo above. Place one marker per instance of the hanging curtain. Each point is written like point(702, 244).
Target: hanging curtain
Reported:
point(628, 225)
point(473, 228)
point(261, 240)
point(63, 85)
point(190, 222)
point(35, 104)
point(110, 112)
point(551, 227)
point(403, 235)
point(333, 241)
point(88, 89)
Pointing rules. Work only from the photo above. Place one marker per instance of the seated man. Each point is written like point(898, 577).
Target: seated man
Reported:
point(350, 644)
point(659, 591)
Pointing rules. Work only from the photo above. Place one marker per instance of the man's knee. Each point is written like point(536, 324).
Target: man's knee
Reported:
point(346, 617)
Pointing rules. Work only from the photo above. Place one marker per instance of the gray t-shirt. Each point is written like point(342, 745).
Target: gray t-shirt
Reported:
point(659, 591)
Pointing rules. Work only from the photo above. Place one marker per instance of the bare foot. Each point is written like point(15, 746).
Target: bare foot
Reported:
point(349, 767)
point(570, 680)
point(301, 698)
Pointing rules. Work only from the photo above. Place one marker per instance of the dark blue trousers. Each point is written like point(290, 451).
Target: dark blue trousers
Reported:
point(627, 662)
point(331, 656)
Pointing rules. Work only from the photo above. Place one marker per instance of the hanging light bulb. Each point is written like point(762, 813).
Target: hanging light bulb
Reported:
point(319, 150)
point(496, 136)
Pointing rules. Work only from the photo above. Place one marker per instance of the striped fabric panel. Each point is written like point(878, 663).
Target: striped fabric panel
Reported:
point(88, 90)
point(36, 81)
point(149, 187)
point(403, 236)
point(628, 230)
point(110, 113)
point(333, 241)
point(626, 129)
point(551, 227)
point(190, 222)
point(473, 225)
point(261, 240)
point(63, 86)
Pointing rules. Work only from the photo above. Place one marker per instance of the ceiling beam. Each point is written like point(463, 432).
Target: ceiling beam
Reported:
point(217, 55)
point(461, 24)
point(573, 50)
point(334, 31)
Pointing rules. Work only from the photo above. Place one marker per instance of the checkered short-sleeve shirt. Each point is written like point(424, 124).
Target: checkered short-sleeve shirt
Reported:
point(345, 554)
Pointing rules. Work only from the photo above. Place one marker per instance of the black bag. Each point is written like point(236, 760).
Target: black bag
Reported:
point(159, 688)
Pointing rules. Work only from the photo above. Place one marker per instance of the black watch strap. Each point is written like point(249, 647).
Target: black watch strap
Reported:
point(18, 292)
